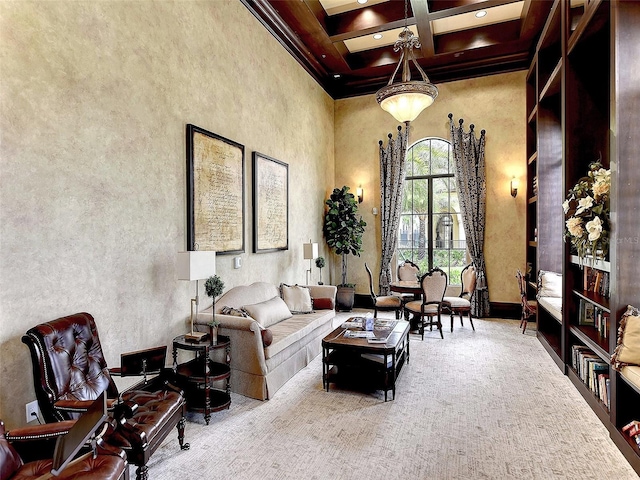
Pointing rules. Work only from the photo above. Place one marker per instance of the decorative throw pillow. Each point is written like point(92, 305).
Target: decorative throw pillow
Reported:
point(323, 303)
point(236, 312)
point(267, 336)
point(549, 284)
point(269, 312)
point(627, 351)
point(297, 298)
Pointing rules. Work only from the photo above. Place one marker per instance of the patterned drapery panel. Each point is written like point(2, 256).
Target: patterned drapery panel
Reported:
point(393, 161)
point(468, 153)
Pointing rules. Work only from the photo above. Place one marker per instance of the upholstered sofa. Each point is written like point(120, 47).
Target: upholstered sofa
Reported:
point(271, 339)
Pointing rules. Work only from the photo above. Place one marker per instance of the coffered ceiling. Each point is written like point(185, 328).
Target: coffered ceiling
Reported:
point(347, 46)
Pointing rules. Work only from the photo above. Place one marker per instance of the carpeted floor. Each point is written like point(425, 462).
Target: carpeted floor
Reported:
point(488, 404)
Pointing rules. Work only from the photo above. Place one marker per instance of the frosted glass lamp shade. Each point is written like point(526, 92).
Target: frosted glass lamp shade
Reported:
point(196, 265)
point(406, 106)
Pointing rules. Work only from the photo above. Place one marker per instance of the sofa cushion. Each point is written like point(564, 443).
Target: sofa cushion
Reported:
point(631, 373)
point(269, 312)
point(323, 303)
point(549, 284)
point(297, 298)
point(294, 329)
point(627, 351)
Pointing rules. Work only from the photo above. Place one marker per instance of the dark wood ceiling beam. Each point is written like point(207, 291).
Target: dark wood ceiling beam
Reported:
point(272, 21)
point(459, 43)
point(303, 22)
point(534, 14)
point(485, 36)
point(364, 21)
point(421, 10)
point(370, 31)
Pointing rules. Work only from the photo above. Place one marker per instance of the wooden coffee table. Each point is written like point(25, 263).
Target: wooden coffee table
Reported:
point(346, 360)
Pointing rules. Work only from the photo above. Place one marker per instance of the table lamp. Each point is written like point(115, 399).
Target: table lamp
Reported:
point(310, 251)
point(196, 265)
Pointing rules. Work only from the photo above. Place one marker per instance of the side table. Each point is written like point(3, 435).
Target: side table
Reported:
point(197, 377)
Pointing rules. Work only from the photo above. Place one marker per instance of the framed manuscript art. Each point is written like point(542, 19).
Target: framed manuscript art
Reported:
point(270, 204)
point(215, 192)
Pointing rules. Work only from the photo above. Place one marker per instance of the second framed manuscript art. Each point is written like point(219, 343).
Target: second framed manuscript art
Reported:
point(215, 192)
point(270, 204)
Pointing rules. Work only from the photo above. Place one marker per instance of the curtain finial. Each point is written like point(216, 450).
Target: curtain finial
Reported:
point(399, 128)
point(390, 136)
point(451, 116)
point(380, 142)
point(471, 127)
point(461, 121)
point(482, 132)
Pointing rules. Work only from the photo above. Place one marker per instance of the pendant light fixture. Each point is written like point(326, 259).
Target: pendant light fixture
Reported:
point(405, 100)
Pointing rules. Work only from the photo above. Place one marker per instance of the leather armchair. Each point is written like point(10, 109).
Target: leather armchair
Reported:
point(108, 464)
point(69, 371)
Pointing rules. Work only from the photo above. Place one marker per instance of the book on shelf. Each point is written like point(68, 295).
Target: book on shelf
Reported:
point(592, 370)
point(596, 281)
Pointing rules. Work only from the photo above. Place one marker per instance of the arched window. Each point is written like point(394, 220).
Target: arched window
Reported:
point(431, 233)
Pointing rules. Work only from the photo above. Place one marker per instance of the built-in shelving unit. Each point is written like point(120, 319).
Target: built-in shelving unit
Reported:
point(582, 106)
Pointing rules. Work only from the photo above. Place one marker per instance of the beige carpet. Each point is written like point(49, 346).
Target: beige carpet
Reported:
point(488, 404)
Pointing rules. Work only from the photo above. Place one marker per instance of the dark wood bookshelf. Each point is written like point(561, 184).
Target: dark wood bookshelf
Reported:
point(582, 106)
point(594, 402)
point(591, 338)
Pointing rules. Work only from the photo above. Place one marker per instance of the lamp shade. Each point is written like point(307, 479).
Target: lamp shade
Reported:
point(310, 250)
point(196, 265)
point(406, 106)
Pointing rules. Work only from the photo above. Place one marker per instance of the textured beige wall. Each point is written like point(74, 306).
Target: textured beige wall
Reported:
point(496, 104)
point(94, 98)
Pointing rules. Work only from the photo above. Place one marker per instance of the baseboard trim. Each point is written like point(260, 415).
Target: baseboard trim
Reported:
point(505, 310)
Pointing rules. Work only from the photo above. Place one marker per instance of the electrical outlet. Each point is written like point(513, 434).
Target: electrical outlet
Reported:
point(33, 412)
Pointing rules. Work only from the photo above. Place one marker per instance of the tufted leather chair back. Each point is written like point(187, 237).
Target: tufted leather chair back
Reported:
point(68, 363)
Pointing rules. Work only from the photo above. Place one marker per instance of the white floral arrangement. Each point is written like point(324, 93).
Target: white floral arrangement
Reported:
point(586, 212)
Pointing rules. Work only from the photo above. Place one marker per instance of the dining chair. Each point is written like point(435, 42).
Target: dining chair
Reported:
point(462, 304)
point(529, 307)
point(383, 302)
point(434, 285)
point(408, 271)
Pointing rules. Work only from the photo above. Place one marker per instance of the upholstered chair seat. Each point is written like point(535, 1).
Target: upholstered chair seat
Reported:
point(428, 310)
point(383, 302)
point(462, 304)
point(415, 306)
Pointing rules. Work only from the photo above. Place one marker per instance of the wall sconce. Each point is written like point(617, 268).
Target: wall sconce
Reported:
point(514, 187)
point(360, 194)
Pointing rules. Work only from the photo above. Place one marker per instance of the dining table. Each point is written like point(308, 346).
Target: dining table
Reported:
point(411, 287)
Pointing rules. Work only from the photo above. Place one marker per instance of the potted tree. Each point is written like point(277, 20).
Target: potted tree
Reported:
point(343, 229)
point(320, 263)
point(214, 287)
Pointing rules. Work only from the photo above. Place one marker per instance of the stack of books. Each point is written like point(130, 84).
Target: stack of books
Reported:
point(596, 281)
point(593, 371)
